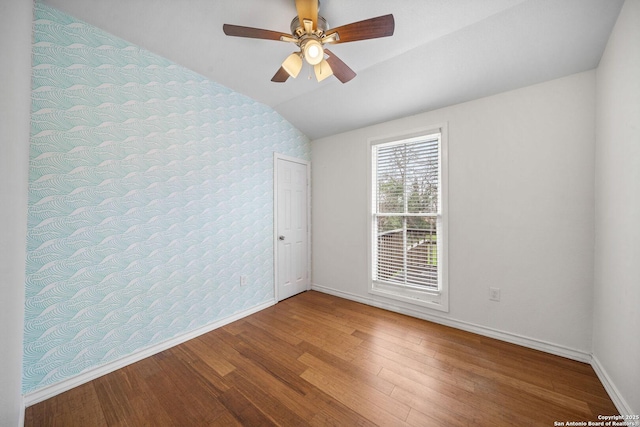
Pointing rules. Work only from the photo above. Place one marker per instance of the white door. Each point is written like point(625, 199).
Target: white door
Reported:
point(291, 227)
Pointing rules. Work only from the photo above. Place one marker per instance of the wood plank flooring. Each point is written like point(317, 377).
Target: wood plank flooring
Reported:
point(319, 360)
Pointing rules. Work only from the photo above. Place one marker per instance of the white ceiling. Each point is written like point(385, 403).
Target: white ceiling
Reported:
point(443, 51)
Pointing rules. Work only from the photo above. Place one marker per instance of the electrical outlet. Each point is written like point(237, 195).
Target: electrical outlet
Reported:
point(494, 294)
point(243, 280)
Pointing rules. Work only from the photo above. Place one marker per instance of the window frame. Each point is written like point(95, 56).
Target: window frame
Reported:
point(430, 298)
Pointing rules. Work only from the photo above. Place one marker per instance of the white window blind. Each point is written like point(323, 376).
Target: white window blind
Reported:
point(407, 212)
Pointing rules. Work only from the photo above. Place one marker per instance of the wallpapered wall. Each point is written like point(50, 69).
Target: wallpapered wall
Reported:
point(150, 193)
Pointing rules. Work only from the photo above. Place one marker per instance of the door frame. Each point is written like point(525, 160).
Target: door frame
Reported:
point(307, 164)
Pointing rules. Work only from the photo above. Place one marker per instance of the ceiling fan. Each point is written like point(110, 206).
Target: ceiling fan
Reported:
point(309, 32)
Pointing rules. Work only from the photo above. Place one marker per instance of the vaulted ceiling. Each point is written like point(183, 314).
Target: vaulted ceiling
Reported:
point(443, 52)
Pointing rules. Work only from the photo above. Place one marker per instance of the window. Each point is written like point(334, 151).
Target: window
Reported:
point(408, 219)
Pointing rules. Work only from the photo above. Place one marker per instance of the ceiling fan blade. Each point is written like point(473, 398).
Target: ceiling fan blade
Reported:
point(281, 76)
point(308, 9)
point(382, 26)
point(340, 69)
point(253, 33)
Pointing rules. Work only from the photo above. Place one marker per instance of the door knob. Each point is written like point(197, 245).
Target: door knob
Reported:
point(280, 237)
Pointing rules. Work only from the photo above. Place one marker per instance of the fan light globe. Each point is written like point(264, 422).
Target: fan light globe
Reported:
point(293, 64)
point(323, 70)
point(313, 52)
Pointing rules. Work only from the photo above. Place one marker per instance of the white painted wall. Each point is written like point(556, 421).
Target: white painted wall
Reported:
point(521, 211)
point(616, 332)
point(16, 19)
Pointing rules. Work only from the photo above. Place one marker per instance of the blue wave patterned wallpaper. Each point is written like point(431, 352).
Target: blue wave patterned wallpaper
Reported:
point(150, 193)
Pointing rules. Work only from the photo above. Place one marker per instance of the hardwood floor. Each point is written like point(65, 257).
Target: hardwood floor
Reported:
point(315, 359)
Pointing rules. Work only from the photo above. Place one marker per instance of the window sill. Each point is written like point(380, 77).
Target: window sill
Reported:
point(425, 298)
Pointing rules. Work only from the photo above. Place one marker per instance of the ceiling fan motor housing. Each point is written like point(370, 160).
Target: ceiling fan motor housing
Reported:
point(298, 29)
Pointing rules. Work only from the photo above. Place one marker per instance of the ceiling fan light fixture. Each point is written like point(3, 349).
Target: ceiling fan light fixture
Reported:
point(313, 51)
point(322, 70)
point(293, 64)
point(309, 32)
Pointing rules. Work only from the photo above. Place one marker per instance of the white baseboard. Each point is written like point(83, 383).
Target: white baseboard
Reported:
point(621, 404)
point(532, 343)
point(47, 392)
